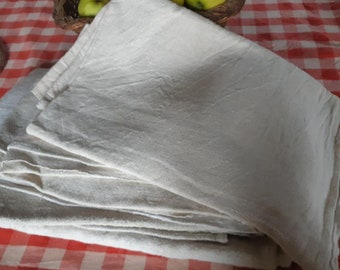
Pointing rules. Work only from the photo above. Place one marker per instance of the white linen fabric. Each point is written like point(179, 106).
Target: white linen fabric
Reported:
point(17, 108)
point(159, 119)
point(46, 190)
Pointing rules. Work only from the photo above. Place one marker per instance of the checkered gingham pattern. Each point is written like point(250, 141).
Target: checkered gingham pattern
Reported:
point(23, 251)
point(305, 32)
point(32, 38)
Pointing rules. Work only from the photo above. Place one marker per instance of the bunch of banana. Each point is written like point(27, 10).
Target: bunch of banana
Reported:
point(90, 8)
point(199, 4)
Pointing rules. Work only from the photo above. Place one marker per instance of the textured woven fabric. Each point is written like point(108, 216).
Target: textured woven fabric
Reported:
point(304, 32)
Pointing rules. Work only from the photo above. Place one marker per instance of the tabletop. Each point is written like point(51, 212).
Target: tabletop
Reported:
point(304, 32)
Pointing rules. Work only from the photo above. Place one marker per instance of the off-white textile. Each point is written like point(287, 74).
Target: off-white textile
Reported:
point(167, 98)
point(18, 108)
point(45, 190)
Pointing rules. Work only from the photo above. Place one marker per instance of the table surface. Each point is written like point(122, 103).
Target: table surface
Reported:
point(304, 32)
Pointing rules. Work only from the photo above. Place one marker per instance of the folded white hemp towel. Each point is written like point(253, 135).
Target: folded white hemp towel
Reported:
point(162, 132)
point(46, 190)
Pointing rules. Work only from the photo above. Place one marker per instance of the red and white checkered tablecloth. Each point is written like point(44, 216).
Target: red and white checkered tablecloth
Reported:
point(305, 32)
point(32, 38)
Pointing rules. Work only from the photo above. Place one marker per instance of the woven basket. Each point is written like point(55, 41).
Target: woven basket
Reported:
point(3, 56)
point(222, 13)
point(66, 15)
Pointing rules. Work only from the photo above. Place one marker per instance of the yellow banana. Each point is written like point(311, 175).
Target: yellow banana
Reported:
point(90, 8)
point(203, 4)
point(179, 2)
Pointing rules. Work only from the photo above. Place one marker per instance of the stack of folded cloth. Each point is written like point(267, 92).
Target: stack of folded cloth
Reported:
point(164, 133)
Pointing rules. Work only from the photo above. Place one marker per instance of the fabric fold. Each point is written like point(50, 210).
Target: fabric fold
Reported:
point(67, 192)
point(168, 105)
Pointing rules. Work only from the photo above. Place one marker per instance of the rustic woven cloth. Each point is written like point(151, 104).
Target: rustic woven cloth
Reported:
point(300, 31)
point(172, 109)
